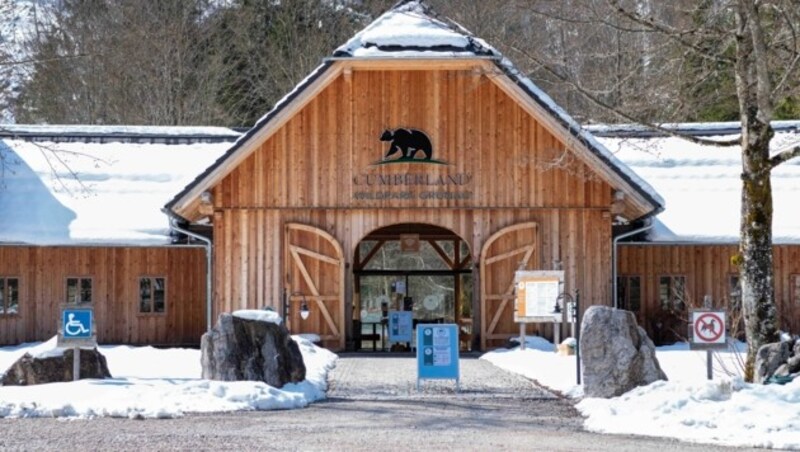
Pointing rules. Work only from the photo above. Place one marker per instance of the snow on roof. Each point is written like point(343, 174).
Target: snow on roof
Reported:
point(79, 193)
point(109, 132)
point(408, 28)
point(702, 186)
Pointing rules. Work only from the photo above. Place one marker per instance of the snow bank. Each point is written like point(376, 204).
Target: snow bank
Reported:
point(155, 383)
point(724, 411)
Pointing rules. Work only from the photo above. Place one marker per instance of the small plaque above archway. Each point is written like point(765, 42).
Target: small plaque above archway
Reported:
point(409, 243)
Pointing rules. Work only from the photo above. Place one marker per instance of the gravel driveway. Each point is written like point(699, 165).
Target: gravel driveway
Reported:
point(373, 404)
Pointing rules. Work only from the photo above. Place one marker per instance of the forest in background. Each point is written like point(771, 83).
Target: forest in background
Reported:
point(226, 62)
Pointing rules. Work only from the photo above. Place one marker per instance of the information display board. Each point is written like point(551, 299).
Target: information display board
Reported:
point(537, 296)
point(401, 326)
point(437, 352)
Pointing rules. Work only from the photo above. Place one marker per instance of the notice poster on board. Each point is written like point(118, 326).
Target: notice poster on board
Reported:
point(540, 296)
point(401, 326)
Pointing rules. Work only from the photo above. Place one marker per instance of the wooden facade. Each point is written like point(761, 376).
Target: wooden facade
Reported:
point(708, 271)
point(42, 273)
point(501, 165)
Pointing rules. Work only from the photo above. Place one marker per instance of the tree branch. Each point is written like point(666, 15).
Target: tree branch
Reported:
point(42, 60)
point(627, 117)
point(670, 32)
point(783, 156)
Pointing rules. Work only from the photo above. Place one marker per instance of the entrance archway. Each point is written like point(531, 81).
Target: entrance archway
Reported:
point(421, 268)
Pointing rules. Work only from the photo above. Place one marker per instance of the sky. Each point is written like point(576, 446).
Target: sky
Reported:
point(166, 383)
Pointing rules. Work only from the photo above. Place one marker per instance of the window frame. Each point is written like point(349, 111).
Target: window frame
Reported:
point(80, 279)
point(671, 305)
point(627, 278)
point(5, 296)
point(139, 298)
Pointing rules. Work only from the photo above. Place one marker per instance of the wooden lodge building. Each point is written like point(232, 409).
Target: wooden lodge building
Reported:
point(414, 169)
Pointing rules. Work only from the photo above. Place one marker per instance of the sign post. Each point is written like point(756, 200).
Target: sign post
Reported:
point(707, 332)
point(437, 352)
point(76, 330)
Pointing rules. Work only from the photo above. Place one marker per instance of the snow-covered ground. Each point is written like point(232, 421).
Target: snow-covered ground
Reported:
point(688, 407)
point(162, 383)
point(157, 383)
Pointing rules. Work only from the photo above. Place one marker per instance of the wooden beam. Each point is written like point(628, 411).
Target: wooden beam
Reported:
point(315, 255)
point(412, 64)
point(371, 254)
point(442, 254)
point(508, 254)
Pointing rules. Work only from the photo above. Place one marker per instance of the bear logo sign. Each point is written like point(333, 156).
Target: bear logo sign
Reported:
point(412, 145)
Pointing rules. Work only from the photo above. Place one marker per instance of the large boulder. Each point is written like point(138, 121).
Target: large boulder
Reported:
point(616, 353)
point(254, 346)
point(780, 360)
point(55, 366)
point(770, 358)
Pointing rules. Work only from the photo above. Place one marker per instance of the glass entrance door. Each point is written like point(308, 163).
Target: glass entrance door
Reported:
point(418, 268)
point(431, 299)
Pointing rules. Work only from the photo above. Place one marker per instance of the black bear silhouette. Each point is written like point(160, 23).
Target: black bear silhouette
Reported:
point(407, 142)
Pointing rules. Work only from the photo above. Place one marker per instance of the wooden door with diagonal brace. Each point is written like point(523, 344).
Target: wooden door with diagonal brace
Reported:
point(506, 251)
point(315, 276)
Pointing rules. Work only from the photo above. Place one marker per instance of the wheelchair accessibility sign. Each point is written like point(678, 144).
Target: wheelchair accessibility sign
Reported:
point(77, 325)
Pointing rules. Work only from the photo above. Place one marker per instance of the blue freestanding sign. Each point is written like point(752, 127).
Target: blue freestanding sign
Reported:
point(437, 352)
point(76, 323)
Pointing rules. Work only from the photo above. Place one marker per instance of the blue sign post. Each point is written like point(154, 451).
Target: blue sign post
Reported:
point(437, 352)
point(77, 323)
point(76, 331)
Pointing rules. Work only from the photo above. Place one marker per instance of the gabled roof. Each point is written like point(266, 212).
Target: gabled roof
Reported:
point(96, 185)
point(411, 33)
point(702, 183)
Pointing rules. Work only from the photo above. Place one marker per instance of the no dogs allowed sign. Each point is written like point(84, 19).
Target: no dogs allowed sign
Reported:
point(707, 329)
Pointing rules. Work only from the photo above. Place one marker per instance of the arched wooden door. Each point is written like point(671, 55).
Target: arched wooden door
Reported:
point(314, 274)
point(506, 251)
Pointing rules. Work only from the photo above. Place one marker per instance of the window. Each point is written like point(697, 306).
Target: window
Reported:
point(629, 292)
point(79, 290)
point(9, 296)
point(734, 293)
point(152, 295)
point(795, 281)
point(672, 292)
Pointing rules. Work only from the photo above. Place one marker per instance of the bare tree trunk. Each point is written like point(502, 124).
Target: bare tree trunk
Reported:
point(755, 246)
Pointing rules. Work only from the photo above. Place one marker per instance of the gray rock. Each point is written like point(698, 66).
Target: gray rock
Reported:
point(793, 364)
point(769, 358)
point(239, 349)
point(782, 371)
point(30, 370)
point(616, 353)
